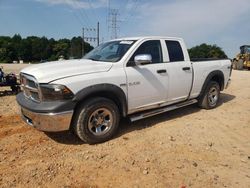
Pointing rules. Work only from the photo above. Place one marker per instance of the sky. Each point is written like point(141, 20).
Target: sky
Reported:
point(225, 23)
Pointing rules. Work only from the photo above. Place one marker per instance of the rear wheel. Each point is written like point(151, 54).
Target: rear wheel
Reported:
point(235, 65)
point(240, 64)
point(211, 96)
point(96, 120)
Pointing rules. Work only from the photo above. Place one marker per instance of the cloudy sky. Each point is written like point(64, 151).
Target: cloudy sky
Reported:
point(222, 22)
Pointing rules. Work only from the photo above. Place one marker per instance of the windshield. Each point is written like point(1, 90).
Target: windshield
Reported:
point(244, 49)
point(248, 49)
point(110, 51)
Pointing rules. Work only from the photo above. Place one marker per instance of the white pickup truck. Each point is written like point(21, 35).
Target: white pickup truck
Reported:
point(129, 77)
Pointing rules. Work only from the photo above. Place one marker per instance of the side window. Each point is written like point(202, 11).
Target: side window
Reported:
point(174, 50)
point(152, 47)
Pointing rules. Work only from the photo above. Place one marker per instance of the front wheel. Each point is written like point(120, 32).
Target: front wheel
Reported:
point(15, 89)
point(96, 120)
point(211, 96)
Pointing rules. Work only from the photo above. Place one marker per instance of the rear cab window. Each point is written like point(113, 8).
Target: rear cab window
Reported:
point(174, 51)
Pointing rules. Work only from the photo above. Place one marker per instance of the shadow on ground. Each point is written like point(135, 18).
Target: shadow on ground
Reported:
point(224, 98)
point(65, 137)
point(68, 137)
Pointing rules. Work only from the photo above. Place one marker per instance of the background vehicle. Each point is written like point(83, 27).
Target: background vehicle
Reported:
point(242, 60)
point(9, 80)
point(130, 77)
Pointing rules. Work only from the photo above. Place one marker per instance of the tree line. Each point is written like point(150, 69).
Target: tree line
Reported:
point(206, 51)
point(38, 49)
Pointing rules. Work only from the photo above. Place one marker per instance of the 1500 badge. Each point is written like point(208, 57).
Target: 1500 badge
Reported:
point(134, 83)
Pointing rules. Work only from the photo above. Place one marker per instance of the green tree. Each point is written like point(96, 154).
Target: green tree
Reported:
point(16, 45)
point(36, 49)
point(76, 47)
point(61, 48)
point(206, 51)
point(25, 50)
point(5, 49)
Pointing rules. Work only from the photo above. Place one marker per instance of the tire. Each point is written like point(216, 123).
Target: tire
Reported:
point(15, 89)
point(211, 96)
point(96, 120)
point(240, 64)
point(235, 65)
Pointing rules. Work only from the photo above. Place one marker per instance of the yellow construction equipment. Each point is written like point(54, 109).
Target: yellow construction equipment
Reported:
point(242, 60)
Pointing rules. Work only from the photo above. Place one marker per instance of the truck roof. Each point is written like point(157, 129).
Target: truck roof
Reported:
point(148, 37)
point(244, 46)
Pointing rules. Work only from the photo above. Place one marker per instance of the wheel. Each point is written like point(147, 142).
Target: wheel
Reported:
point(96, 120)
point(235, 65)
point(240, 64)
point(211, 96)
point(15, 89)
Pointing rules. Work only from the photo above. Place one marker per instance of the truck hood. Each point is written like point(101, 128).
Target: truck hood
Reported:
point(48, 72)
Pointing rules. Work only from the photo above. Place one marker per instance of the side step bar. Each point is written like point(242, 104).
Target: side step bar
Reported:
point(153, 112)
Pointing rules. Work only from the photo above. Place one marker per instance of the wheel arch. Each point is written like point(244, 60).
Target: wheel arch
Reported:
point(110, 91)
point(216, 76)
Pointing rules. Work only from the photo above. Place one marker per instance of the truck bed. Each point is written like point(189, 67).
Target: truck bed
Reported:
point(207, 59)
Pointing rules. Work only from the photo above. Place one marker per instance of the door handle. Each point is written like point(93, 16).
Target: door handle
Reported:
point(186, 68)
point(161, 71)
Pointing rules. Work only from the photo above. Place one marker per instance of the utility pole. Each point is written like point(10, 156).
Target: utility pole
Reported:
point(98, 33)
point(83, 42)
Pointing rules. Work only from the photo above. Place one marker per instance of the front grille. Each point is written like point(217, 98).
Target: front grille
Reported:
point(30, 87)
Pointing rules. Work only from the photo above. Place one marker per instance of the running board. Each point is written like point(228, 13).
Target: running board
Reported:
point(153, 112)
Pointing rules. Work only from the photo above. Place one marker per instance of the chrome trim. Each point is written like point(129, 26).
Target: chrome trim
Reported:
point(30, 88)
point(50, 122)
point(27, 87)
point(153, 112)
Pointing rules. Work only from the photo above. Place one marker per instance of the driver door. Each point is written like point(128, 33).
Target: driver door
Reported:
point(147, 84)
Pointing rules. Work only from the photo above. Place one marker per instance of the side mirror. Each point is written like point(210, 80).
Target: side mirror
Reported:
point(143, 59)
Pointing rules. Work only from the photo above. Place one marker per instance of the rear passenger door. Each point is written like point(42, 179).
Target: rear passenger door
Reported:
point(179, 72)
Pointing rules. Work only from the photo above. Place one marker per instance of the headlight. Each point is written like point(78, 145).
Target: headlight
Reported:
point(51, 92)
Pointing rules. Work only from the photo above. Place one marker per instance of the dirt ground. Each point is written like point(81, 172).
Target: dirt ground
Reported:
point(188, 147)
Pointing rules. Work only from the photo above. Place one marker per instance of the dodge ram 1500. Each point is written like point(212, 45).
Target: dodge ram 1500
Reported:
point(129, 77)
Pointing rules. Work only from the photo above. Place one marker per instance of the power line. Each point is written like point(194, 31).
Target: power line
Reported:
point(123, 6)
point(107, 20)
point(132, 10)
point(92, 10)
point(82, 13)
point(74, 13)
